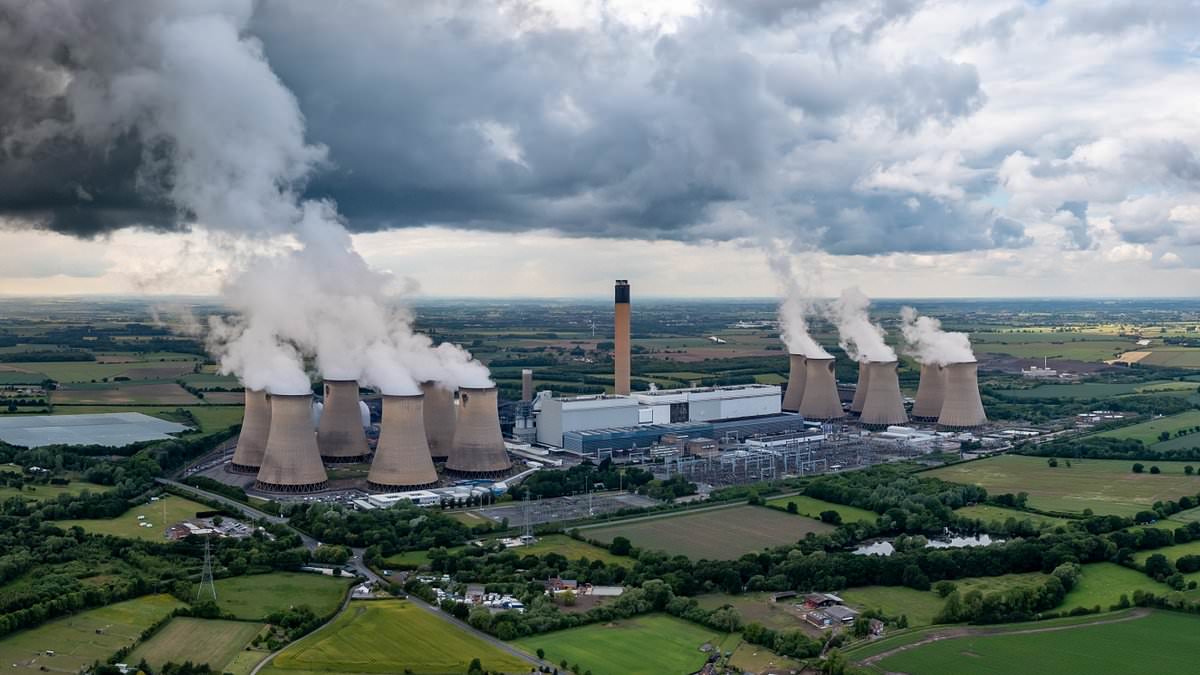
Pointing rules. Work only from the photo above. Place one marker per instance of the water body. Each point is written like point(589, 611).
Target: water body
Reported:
point(885, 547)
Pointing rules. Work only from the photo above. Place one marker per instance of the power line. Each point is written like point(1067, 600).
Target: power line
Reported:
point(206, 575)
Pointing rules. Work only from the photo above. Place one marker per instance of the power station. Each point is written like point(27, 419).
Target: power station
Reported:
point(252, 441)
point(795, 385)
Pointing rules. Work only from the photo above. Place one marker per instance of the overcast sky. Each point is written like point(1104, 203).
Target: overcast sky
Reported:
point(545, 148)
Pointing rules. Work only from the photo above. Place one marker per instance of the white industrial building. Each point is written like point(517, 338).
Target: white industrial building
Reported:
point(581, 413)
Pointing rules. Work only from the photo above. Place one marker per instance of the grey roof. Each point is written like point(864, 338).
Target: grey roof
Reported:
point(111, 429)
point(840, 612)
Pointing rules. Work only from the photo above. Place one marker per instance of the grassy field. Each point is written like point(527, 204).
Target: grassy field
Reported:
point(41, 492)
point(812, 508)
point(155, 393)
point(989, 514)
point(1172, 553)
point(756, 607)
point(1105, 486)
point(197, 640)
point(656, 643)
point(1076, 346)
point(390, 636)
point(82, 638)
point(1147, 432)
point(919, 606)
point(127, 524)
point(87, 371)
point(1103, 584)
point(1093, 390)
point(254, 597)
point(572, 549)
point(1174, 357)
point(719, 534)
point(1162, 643)
point(1000, 583)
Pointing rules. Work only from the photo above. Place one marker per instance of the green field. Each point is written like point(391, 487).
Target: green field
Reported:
point(998, 514)
point(919, 606)
point(1162, 643)
point(390, 636)
point(718, 534)
point(998, 584)
point(1147, 432)
point(1172, 553)
point(41, 492)
point(82, 638)
point(1076, 346)
point(656, 643)
point(1095, 390)
point(1108, 487)
point(757, 607)
point(197, 640)
point(1173, 357)
point(1103, 584)
point(254, 597)
point(572, 549)
point(175, 507)
point(812, 508)
point(86, 371)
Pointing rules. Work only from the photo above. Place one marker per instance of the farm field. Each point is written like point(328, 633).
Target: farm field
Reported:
point(719, 534)
point(1103, 584)
point(656, 643)
point(756, 607)
point(572, 549)
point(988, 513)
point(919, 606)
point(210, 641)
point(1173, 357)
point(1166, 640)
point(1075, 346)
point(1094, 390)
point(1000, 583)
point(812, 508)
point(126, 525)
point(80, 639)
point(163, 393)
point(1108, 487)
point(86, 371)
point(42, 492)
point(1148, 432)
point(1172, 553)
point(255, 596)
point(390, 636)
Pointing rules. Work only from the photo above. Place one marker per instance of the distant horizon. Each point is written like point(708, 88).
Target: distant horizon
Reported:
point(607, 298)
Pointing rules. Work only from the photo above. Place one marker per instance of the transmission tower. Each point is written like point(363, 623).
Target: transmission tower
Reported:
point(528, 530)
point(206, 575)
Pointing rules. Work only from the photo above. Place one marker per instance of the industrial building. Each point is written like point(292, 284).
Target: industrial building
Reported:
point(705, 404)
point(557, 416)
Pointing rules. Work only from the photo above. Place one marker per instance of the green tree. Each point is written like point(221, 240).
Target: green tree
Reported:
point(620, 546)
point(1052, 462)
point(1155, 470)
point(792, 508)
point(1138, 468)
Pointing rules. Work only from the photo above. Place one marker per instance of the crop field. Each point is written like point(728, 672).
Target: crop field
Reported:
point(87, 371)
point(989, 514)
point(1103, 584)
point(719, 534)
point(390, 636)
point(82, 638)
point(1148, 432)
point(572, 549)
point(208, 641)
point(919, 606)
point(164, 393)
point(1075, 346)
point(812, 508)
point(1166, 640)
point(757, 607)
point(127, 524)
point(1173, 357)
point(656, 643)
point(255, 596)
point(998, 584)
point(1108, 487)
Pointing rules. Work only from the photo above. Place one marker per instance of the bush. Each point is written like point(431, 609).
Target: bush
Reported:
point(1138, 468)
point(1155, 469)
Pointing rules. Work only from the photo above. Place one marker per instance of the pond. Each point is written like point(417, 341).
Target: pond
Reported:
point(885, 547)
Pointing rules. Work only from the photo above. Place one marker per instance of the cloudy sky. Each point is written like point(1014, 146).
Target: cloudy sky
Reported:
point(544, 148)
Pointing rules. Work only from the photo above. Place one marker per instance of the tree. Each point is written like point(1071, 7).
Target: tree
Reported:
point(792, 508)
point(1189, 470)
point(568, 598)
point(1164, 436)
point(1052, 462)
point(476, 667)
point(1158, 567)
point(620, 546)
point(1138, 468)
point(831, 517)
point(541, 653)
point(1155, 470)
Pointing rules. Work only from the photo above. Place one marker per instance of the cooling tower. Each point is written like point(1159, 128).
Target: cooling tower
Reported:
point(340, 432)
point(440, 417)
point(252, 441)
point(861, 389)
point(883, 405)
point(526, 385)
point(478, 445)
point(402, 460)
point(930, 393)
point(820, 400)
point(795, 385)
point(962, 407)
point(291, 462)
point(621, 338)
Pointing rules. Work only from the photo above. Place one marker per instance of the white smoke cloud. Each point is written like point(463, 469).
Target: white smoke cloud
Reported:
point(862, 339)
point(794, 309)
point(926, 342)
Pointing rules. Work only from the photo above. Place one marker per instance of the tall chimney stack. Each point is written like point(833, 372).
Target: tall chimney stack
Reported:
point(795, 387)
point(340, 432)
point(821, 400)
point(252, 441)
point(402, 460)
point(478, 444)
point(961, 407)
point(440, 415)
point(930, 393)
point(883, 405)
point(526, 385)
point(621, 338)
point(861, 389)
point(291, 462)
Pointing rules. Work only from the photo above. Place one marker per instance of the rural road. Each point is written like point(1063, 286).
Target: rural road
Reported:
point(981, 631)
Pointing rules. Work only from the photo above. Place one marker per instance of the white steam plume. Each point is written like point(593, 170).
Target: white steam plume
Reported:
point(794, 309)
point(862, 340)
point(926, 342)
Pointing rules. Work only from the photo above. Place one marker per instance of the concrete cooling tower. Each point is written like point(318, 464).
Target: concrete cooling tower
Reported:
point(621, 367)
point(795, 385)
point(440, 415)
point(860, 390)
point(252, 441)
point(340, 433)
point(883, 405)
point(402, 460)
point(962, 407)
point(292, 462)
point(478, 444)
point(930, 393)
point(820, 400)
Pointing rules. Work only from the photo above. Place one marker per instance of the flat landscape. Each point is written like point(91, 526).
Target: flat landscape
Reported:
point(572, 549)
point(80, 639)
point(39, 492)
point(124, 393)
point(998, 514)
point(210, 641)
point(1148, 432)
point(174, 508)
point(757, 607)
point(1107, 487)
point(718, 534)
point(919, 606)
point(254, 597)
point(812, 507)
point(656, 643)
point(390, 636)
point(1102, 585)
